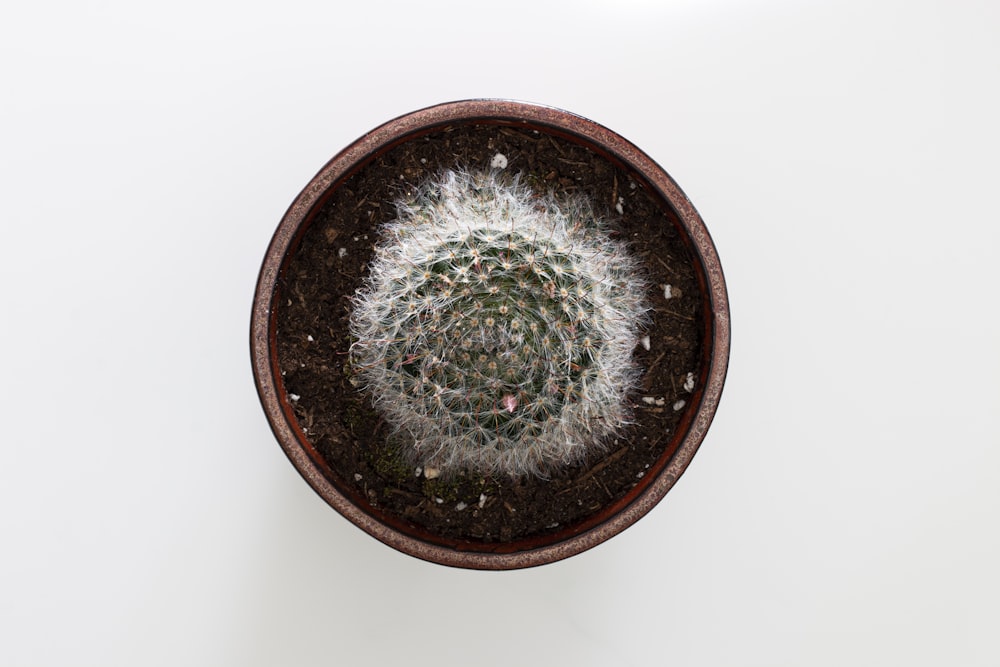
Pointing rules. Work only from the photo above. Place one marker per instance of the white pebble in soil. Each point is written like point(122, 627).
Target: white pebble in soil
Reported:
point(358, 477)
point(620, 206)
point(460, 506)
point(482, 500)
point(644, 341)
point(679, 404)
point(667, 292)
point(499, 161)
point(689, 383)
point(293, 397)
point(342, 253)
point(431, 473)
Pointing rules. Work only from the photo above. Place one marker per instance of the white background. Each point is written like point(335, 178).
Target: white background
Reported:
point(843, 509)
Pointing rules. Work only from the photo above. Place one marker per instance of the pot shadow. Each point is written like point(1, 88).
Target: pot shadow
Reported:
point(320, 590)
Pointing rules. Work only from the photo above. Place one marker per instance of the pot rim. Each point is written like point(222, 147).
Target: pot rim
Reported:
point(611, 145)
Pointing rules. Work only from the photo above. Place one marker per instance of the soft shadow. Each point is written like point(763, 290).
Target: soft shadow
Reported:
point(320, 591)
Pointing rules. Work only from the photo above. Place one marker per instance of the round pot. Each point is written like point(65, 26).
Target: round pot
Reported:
point(555, 149)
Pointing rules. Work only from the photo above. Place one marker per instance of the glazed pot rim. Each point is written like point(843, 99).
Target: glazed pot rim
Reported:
point(533, 116)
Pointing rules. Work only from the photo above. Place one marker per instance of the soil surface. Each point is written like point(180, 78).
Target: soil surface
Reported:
point(330, 264)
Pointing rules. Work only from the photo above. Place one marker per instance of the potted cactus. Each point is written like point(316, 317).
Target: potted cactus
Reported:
point(491, 334)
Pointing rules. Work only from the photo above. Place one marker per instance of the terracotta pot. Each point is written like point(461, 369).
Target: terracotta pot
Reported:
point(568, 540)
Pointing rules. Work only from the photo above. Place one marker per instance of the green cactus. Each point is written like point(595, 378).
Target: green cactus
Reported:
point(497, 325)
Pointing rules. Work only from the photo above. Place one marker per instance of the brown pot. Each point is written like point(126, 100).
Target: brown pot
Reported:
point(566, 540)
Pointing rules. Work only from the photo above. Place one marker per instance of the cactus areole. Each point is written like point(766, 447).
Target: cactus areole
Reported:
point(491, 334)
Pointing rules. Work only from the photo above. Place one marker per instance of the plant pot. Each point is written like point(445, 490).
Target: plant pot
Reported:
point(355, 456)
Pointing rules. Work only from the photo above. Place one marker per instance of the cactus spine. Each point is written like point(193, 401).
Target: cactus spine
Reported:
point(496, 327)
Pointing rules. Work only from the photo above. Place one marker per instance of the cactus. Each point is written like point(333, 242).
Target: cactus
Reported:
point(496, 327)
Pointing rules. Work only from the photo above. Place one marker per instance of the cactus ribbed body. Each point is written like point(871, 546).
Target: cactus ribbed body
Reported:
point(497, 325)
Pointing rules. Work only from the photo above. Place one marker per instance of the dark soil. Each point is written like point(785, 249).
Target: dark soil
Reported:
point(330, 265)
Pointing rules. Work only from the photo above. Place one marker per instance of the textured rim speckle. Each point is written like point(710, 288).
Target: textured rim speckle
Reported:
point(535, 551)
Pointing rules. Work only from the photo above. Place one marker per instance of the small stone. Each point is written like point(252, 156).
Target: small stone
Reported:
point(358, 477)
point(640, 474)
point(644, 341)
point(342, 253)
point(294, 397)
point(482, 500)
point(418, 471)
point(460, 506)
point(620, 206)
point(667, 292)
point(689, 383)
point(499, 161)
point(431, 473)
point(649, 400)
point(679, 404)
point(310, 338)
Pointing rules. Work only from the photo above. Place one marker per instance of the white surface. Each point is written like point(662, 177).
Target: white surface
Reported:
point(844, 508)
